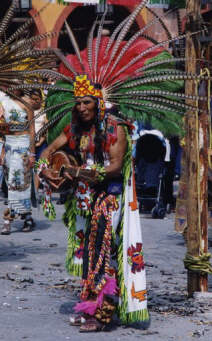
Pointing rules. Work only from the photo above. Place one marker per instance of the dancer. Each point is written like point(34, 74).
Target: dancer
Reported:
point(18, 161)
point(105, 243)
point(22, 68)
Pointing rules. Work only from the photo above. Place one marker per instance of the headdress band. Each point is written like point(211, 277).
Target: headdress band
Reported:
point(83, 87)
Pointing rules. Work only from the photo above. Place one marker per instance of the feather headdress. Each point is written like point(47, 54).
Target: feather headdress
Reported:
point(139, 75)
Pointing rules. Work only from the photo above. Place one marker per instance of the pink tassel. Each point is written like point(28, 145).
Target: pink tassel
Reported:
point(89, 307)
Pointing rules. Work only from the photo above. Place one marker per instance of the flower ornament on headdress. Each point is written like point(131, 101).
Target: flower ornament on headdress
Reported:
point(138, 75)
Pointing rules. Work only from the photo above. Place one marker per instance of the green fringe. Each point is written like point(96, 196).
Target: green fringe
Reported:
point(49, 213)
point(135, 316)
point(69, 219)
point(74, 269)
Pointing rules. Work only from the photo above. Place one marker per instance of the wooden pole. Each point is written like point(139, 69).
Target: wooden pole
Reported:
point(196, 157)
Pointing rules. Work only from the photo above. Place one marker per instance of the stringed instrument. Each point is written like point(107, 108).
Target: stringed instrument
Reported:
point(62, 163)
point(59, 160)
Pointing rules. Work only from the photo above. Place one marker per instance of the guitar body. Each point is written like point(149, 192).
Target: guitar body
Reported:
point(60, 160)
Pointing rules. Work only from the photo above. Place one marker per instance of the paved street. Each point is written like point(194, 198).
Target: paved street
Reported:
point(37, 295)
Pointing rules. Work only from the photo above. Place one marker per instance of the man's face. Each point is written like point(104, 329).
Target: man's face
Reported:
point(86, 107)
point(35, 101)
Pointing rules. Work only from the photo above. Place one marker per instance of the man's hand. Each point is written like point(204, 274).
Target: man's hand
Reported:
point(46, 155)
point(49, 174)
point(53, 178)
point(78, 173)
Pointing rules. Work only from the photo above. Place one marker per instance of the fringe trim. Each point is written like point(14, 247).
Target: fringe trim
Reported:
point(69, 219)
point(136, 316)
point(74, 269)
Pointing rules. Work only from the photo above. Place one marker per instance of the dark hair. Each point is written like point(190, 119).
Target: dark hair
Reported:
point(36, 92)
point(99, 139)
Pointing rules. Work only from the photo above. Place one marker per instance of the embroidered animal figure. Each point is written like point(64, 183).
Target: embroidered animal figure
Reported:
point(140, 295)
point(135, 258)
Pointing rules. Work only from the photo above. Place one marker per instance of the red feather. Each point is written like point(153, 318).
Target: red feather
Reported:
point(138, 47)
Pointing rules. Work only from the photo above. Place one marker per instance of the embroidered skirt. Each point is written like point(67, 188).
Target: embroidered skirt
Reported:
point(18, 173)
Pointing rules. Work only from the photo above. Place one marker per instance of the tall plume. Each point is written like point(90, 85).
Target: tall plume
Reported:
point(123, 33)
point(74, 43)
point(22, 28)
point(135, 59)
point(134, 37)
point(7, 18)
point(98, 41)
point(90, 48)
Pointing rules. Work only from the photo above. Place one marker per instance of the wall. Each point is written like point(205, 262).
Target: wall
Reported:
point(53, 17)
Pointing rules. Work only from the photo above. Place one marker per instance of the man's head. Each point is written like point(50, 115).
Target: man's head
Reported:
point(86, 107)
point(89, 99)
point(35, 99)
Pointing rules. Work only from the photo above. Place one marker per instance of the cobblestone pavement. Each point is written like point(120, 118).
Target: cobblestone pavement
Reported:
point(37, 295)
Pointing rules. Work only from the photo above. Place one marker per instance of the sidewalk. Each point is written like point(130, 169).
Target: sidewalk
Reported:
point(37, 295)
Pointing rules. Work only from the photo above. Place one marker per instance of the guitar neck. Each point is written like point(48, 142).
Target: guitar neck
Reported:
point(84, 174)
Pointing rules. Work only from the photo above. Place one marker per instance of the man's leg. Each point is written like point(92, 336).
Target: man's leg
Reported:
point(6, 229)
point(28, 223)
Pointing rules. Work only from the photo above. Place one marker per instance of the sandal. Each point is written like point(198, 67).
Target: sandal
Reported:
point(92, 325)
point(28, 225)
point(77, 320)
point(5, 229)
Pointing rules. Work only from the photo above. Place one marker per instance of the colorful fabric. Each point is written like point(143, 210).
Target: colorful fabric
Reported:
point(13, 113)
point(93, 241)
point(18, 173)
point(48, 207)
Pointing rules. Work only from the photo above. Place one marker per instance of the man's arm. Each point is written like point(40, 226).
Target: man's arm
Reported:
point(60, 141)
point(116, 154)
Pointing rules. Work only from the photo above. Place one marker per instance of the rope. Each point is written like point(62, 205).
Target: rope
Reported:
point(198, 264)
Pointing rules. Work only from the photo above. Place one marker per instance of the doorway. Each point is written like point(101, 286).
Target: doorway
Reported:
point(81, 21)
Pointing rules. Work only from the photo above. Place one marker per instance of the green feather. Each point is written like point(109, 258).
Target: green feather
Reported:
point(56, 97)
point(169, 122)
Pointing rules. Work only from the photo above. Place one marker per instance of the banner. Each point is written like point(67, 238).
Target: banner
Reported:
point(109, 2)
point(159, 3)
point(89, 2)
point(123, 2)
point(152, 3)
